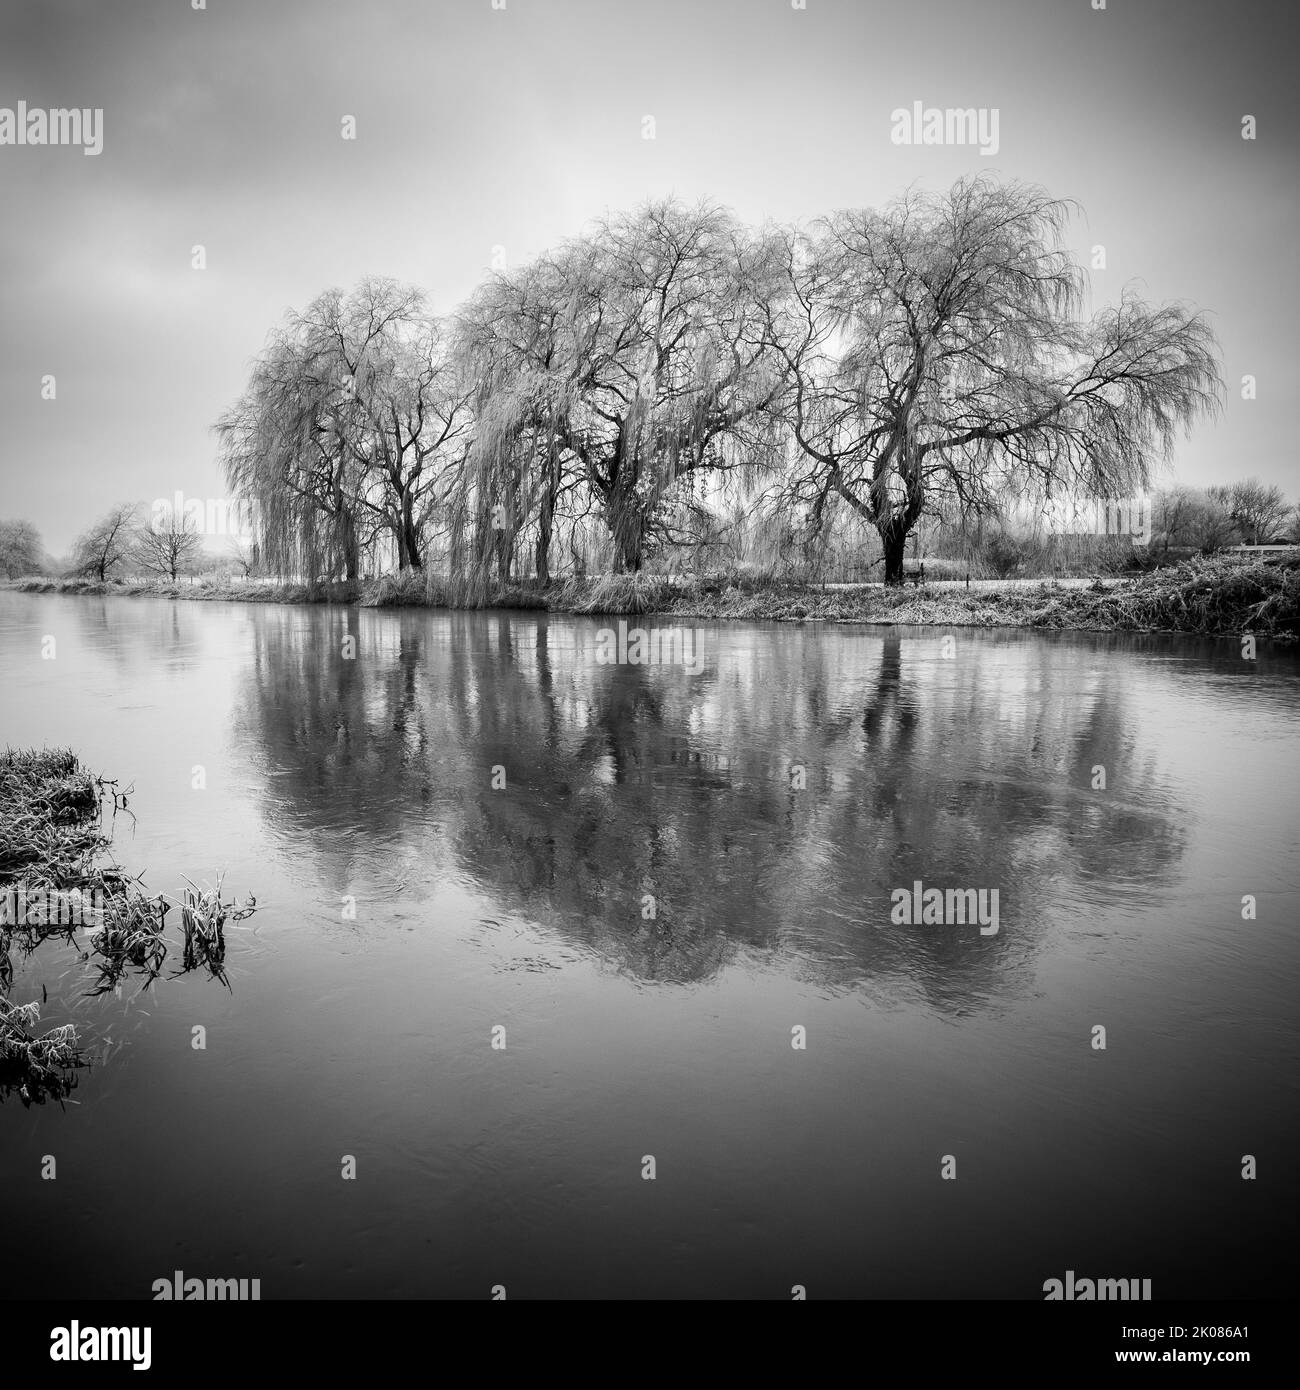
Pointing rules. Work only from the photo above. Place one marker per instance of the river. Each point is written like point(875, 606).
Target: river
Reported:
point(668, 896)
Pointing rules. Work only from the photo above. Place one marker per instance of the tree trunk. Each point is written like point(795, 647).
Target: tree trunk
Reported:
point(893, 537)
point(546, 511)
point(895, 527)
point(623, 507)
point(346, 532)
point(542, 552)
point(504, 545)
point(408, 538)
point(628, 551)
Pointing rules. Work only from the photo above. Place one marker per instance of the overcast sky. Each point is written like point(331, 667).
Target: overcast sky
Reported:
point(514, 127)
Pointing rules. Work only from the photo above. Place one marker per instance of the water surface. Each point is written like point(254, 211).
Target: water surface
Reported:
point(407, 908)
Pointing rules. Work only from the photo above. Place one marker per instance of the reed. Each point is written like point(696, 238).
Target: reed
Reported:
point(204, 915)
point(38, 1067)
point(615, 595)
point(405, 589)
point(53, 863)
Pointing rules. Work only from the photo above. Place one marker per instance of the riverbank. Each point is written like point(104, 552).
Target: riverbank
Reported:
point(1209, 597)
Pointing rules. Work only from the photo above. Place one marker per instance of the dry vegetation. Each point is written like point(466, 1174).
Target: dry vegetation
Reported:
point(53, 862)
point(1207, 597)
point(209, 589)
point(1203, 595)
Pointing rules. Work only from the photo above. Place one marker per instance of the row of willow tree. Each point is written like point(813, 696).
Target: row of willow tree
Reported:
point(615, 399)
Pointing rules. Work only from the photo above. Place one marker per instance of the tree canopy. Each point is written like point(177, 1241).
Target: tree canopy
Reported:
point(930, 356)
point(102, 548)
point(21, 551)
point(936, 351)
point(351, 413)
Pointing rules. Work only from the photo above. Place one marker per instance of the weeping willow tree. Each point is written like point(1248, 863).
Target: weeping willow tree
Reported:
point(516, 341)
point(509, 484)
point(638, 390)
point(410, 417)
point(622, 364)
point(354, 422)
point(284, 447)
point(935, 348)
point(516, 475)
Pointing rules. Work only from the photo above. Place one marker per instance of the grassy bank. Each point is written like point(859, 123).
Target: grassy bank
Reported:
point(56, 879)
point(212, 590)
point(1206, 596)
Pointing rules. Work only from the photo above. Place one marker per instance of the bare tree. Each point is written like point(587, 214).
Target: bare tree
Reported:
point(1191, 518)
point(21, 551)
point(934, 352)
point(168, 544)
point(102, 548)
point(1172, 510)
point(246, 556)
point(1260, 510)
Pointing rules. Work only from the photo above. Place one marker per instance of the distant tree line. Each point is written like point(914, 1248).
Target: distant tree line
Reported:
point(124, 539)
point(1179, 521)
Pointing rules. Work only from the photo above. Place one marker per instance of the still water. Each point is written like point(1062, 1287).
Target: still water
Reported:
point(764, 809)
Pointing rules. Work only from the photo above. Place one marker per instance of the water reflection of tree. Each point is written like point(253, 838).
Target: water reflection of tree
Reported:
point(622, 781)
point(136, 633)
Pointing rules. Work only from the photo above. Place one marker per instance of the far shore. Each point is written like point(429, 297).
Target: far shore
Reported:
point(1211, 596)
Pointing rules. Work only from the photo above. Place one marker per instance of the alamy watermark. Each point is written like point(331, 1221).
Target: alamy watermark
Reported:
point(48, 907)
point(939, 907)
point(655, 646)
point(194, 1290)
point(932, 125)
point(1130, 516)
point(75, 125)
point(1098, 1290)
point(77, 1343)
point(210, 516)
